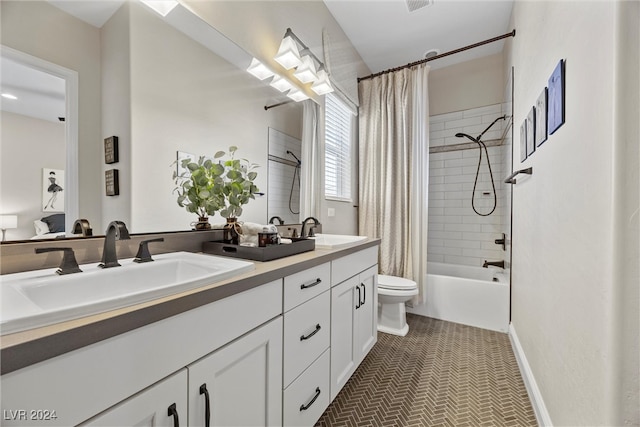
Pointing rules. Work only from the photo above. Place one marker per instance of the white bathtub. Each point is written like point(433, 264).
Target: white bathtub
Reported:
point(472, 296)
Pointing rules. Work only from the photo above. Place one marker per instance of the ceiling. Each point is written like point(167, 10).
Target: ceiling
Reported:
point(387, 35)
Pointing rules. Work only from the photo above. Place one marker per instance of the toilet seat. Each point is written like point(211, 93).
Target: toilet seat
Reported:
point(397, 292)
point(396, 283)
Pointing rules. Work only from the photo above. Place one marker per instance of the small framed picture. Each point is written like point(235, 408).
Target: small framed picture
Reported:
point(52, 191)
point(112, 182)
point(523, 141)
point(111, 150)
point(531, 131)
point(541, 118)
point(555, 104)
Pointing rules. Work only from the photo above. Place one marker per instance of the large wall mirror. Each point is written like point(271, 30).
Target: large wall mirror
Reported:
point(162, 85)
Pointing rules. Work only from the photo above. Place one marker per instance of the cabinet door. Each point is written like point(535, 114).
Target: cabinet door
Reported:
point(344, 299)
point(241, 382)
point(366, 319)
point(163, 404)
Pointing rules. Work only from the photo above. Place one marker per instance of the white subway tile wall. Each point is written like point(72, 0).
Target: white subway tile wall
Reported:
point(283, 178)
point(457, 235)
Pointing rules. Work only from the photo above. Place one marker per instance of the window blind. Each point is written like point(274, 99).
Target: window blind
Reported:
point(338, 137)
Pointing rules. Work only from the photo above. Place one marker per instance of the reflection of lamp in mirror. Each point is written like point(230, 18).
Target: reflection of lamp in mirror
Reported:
point(7, 222)
point(297, 95)
point(281, 83)
point(259, 70)
point(288, 55)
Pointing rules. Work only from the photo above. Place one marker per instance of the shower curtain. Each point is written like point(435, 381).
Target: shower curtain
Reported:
point(311, 165)
point(394, 170)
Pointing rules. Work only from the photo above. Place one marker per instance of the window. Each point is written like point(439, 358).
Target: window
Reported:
point(337, 151)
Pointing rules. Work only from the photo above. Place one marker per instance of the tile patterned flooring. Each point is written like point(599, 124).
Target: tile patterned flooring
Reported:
point(440, 374)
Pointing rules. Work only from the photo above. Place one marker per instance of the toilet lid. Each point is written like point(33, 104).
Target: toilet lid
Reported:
point(393, 282)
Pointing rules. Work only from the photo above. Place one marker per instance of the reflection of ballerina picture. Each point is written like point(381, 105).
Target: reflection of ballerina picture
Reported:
point(555, 108)
point(52, 191)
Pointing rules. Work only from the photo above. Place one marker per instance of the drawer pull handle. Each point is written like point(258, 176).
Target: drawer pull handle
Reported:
point(303, 337)
point(172, 411)
point(364, 293)
point(207, 407)
point(312, 284)
point(308, 405)
point(359, 298)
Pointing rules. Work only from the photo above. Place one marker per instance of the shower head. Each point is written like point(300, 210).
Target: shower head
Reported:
point(464, 135)
point(295, 157)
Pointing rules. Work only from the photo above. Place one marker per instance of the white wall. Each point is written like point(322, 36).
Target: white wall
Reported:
point(27, 145)
point(565, 293)
point(44, 31)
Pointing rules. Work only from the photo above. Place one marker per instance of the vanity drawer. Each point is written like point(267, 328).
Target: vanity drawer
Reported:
point(306, 335)
point(303, 286)
point(306, 399)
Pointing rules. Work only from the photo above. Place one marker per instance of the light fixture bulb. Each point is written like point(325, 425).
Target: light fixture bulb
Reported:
point(9, 96)
point(322, 86)
point(306, 71)
point(281, 83)
point(297, 95)
point(259, 70)
point(163, 7)
point(288, 55)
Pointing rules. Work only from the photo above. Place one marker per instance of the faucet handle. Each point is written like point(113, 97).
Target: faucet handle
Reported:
point(143, 254)
point(68, 265)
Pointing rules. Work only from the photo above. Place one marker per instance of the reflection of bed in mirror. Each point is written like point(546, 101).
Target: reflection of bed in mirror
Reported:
point(49, 227)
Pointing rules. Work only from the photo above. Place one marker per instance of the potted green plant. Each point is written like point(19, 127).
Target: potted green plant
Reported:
point(212, 186)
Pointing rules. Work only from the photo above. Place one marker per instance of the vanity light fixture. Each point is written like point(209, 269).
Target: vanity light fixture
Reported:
point(9, 96)
point(259, 70)
point(322, 86)
point(281, 83)
point(163, 7)
point(288, 55)
point(306, 71)
point(297, 95)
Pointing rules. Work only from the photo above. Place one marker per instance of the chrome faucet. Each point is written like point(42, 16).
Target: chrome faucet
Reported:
point(304, 225)
point(81, 226)
point(493, 263)
point(116, 230)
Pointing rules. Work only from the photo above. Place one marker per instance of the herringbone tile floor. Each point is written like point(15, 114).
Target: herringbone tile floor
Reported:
point(440, 374)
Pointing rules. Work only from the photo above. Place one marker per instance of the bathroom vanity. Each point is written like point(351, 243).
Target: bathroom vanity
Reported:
point(272, 346)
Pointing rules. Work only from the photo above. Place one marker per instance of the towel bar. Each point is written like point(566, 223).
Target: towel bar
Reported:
point(512, 180)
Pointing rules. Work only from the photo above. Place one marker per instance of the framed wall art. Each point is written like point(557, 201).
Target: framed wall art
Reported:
point(555, 108)
point(541, 118)
point(111, 150)
point(52, 190)
point(531, 131)
point(112, 182)
point(523, 141)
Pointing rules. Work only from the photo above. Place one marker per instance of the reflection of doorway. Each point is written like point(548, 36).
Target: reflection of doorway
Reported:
point(46, 94)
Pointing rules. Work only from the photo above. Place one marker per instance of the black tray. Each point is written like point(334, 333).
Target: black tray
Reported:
point(266, 253)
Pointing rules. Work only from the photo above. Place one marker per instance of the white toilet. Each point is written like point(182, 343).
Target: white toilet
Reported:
point(393, 292)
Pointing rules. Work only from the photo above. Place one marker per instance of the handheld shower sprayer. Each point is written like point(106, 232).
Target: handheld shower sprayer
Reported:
point(296, 173)
point(481, 145)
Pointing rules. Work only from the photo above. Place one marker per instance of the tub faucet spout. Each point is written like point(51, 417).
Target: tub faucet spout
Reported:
point(493, 263)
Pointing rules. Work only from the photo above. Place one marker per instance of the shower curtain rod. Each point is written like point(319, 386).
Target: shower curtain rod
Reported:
point(442, 55)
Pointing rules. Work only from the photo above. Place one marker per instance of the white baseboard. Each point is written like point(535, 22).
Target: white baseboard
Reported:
point(542, 415)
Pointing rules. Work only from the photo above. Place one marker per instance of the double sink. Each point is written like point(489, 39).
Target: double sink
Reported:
point(39, 298)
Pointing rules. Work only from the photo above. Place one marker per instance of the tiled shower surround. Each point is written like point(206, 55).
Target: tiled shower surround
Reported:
point(457, 235)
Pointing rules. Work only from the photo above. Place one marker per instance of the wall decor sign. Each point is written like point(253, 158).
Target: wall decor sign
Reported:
point(523, 141)
point(531, 131)
point(555, 109)
point(112, 182)
point(52, 191)
point(111, 150)
point(541, 118)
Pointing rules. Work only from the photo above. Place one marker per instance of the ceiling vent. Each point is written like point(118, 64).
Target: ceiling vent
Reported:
point(414, 5)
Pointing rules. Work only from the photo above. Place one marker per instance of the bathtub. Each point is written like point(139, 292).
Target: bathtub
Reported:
point(472, 296)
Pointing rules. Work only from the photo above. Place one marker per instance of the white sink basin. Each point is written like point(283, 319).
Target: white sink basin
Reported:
point(39, 298)
point(334, 241)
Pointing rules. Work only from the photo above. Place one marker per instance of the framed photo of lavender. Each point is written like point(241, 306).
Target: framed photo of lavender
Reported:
point(555, 109)
point(541, 118)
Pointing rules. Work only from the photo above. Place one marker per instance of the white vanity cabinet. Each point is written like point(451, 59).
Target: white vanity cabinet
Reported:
point(307, 325)
point(162, 405)
point(241, 383)
point(354, 314)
